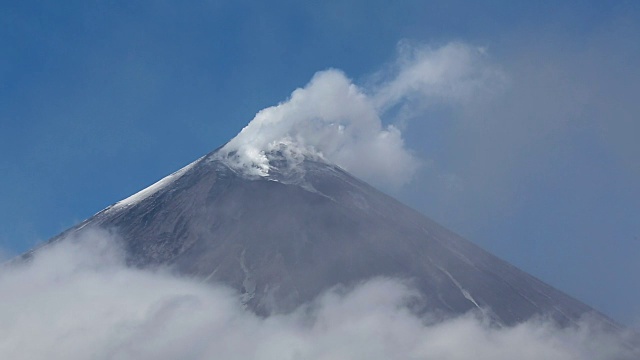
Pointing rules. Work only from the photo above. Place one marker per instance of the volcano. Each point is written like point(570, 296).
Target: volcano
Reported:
point(284, 237)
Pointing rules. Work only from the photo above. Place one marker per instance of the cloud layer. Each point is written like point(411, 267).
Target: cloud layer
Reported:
point(77, 300)
point(334, 119)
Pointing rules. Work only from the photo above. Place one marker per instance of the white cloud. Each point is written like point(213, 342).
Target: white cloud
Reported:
point(77, 300)
point(334, 119)
point(456, 72)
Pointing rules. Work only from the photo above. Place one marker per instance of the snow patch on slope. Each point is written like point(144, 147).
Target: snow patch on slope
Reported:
point(466, 294)
point(147, 192)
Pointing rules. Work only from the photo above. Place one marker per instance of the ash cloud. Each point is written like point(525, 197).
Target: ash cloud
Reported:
point(77, 300)
point(335, 119)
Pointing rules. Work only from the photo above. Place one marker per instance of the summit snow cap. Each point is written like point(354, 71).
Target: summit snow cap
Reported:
point(333, 119)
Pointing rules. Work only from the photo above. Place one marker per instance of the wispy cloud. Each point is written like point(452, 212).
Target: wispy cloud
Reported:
point(335, 119)
point(454, 73)
point(78, 300)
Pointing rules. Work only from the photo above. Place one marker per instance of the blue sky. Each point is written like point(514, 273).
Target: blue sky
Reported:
point(100, 99)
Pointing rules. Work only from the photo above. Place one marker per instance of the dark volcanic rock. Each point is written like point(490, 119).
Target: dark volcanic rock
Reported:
point(283, 239)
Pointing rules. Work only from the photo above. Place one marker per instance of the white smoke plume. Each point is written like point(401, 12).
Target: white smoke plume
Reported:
point(78, 300)
point(334, 119)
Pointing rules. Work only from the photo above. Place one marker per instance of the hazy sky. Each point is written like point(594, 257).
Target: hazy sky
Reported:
point(100, 99)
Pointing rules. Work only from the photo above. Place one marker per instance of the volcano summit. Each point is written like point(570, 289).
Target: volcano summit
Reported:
point(275, 214)
point(283, 237)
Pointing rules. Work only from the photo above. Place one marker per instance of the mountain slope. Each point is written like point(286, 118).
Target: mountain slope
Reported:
point(283, 238)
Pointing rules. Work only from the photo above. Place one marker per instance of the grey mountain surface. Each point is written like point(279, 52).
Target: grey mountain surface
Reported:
point(308, 226)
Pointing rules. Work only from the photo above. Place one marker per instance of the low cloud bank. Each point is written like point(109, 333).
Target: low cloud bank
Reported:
point(78, 300)
point(334, 119)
